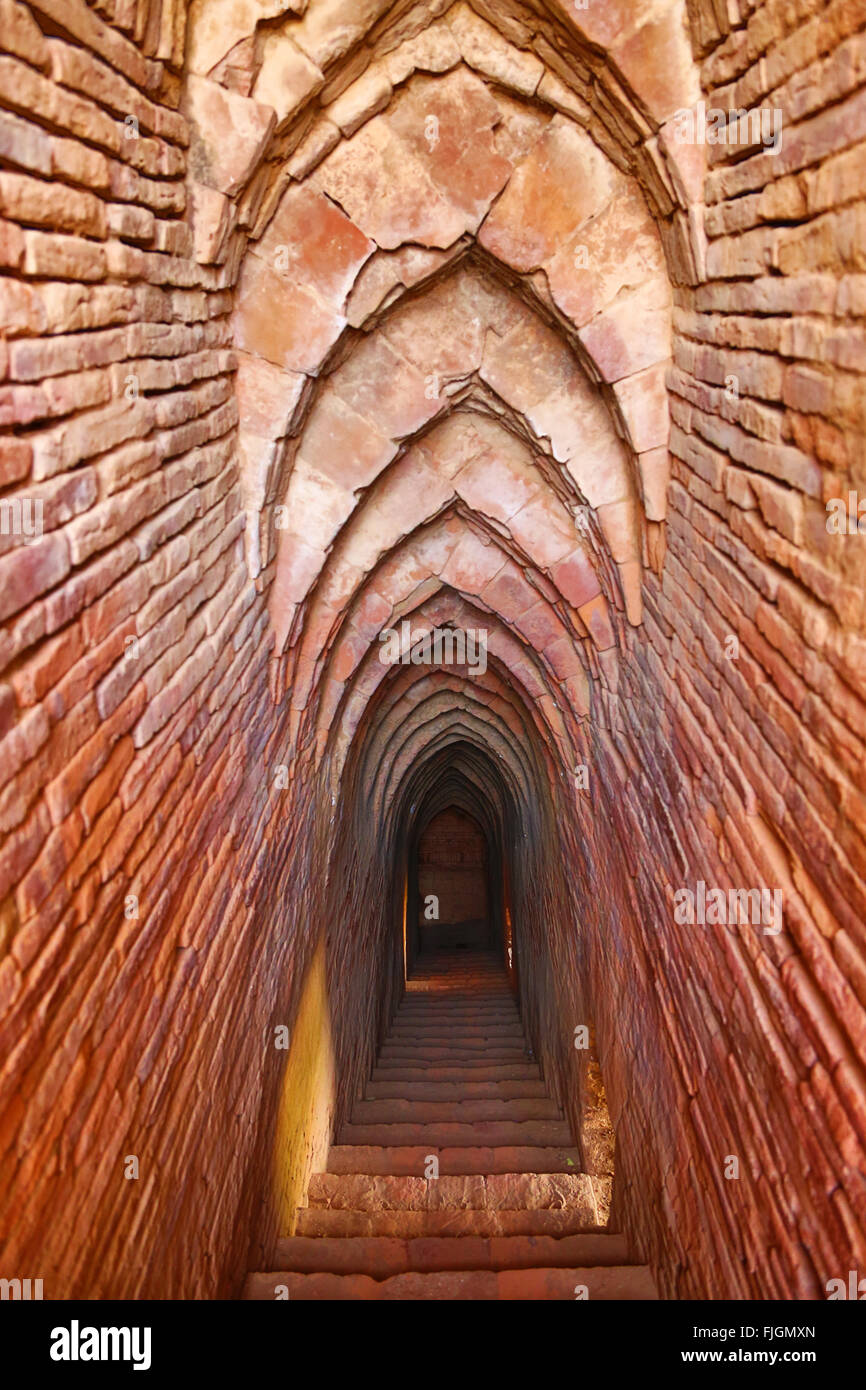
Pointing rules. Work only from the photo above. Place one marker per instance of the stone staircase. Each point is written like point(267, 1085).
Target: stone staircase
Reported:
point(510, 1215)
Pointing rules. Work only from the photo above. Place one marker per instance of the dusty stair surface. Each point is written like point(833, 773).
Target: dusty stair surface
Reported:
point(510, 1216)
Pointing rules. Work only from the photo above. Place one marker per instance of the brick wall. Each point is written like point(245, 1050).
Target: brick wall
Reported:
point(137, 727)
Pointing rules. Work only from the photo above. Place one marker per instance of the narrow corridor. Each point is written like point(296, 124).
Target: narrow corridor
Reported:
point(502, 1211)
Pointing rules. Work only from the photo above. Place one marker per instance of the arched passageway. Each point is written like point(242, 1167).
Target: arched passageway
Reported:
point(431, 469)
point(451, 886)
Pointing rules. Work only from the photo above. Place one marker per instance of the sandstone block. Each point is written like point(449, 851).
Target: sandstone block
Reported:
point(287, 78)
point(228, 134)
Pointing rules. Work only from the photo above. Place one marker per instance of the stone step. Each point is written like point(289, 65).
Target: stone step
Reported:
point(409, 1190)
point(620, 1283)
point(509, 1215)
point(460, 1001)
point(465, 1001)
point(468, 1007)
point(455, 1090)
point(460, 981)
point(480, 1041)
point(475, 1072)
point(408, 1225)
point(492, 976)
point(492, 1053)
point(383, 1256)
point(397, 1112)
point(461, 1013)
point(441, 978)
point(456, 1028)
point(446, 966)
point(463, 998)
point(411, 1159)
point(451, 1134)
point(444, 1036)
point(468, 1011)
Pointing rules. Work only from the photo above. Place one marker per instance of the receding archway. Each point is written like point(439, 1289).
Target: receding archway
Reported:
point(451, 876)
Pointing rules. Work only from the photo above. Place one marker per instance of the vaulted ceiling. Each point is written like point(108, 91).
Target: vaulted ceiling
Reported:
point(455, 234)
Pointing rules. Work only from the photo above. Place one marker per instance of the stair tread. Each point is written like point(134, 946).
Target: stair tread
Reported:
point(455, 1052)
point(456, 1133)
point(455, 1090)
point(464, 1068)
point(412, 1158)
point(504, 1213)
point(512, 1071)
point(393, 1110)
point(456, 1031)
point(454, 1221)
point(473, 1191)
point(382, 1256)
point(629, 1282)
point(464, 1063)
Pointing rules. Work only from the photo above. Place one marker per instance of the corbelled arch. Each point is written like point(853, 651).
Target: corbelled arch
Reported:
point(543, 149)
point(559, 53)
point(636, 372)
point(511, 706)
point(545, 389)
point(548, 674)
point(364, 609)
point(317, 323)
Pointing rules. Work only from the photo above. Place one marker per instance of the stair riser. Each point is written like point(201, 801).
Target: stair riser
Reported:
point(616, 1284)
point(451, 1039)
point(478, 1031)
point(397, 1112)
point(440, 1091)
point(382, 1258)
point(532, 1133)
point(470, 1192)
point(465, 998)
point(468, 1072)
point(457, 1013)
point(469, 1013)
point(412, 1159)
point(411, 1225)
point(509, 1214)
point(474, 1050)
